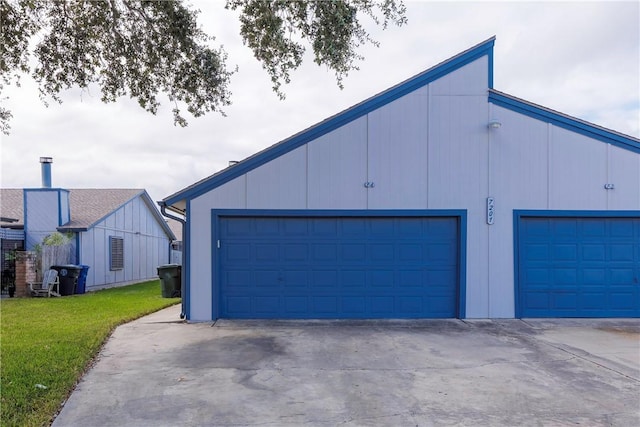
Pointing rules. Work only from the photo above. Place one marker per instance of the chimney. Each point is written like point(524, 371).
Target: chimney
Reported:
point(46, 171)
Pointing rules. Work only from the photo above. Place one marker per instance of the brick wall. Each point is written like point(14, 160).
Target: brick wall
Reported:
point(25, 272)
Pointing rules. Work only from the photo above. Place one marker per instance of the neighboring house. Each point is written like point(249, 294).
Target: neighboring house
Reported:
point(176, 245)
point(118, 233)
point(440, 197)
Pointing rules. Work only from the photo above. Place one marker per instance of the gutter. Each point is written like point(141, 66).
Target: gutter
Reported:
point(163, 207)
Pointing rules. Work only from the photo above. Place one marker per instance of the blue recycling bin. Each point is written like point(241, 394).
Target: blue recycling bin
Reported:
point(81, 284)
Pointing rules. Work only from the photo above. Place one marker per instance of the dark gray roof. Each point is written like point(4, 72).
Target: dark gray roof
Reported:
point(11, 206)
point(175, 227)
point(87, 205)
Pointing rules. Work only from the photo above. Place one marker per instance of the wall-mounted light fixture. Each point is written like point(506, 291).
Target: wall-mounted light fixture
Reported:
point(494, 124)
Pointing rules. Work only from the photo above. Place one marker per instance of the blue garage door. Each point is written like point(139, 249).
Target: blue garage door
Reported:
point(579, 267)
point(330, 267)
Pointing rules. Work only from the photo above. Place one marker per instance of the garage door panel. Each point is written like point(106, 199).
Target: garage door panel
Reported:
point(411, 227)
point(266, 304)
point(437, 278)
point(242, 227)
point(593, 228)
point(411, 278)
point(382, 306)
point(594, 276)
point(593, 271)
point(621, 252)
point(295, 252)
point(565, 276)
point(295, 227)
point(381, 278)
point(295, 278)
point(593, 252)
point(592, 301)
point(325, 227)
point(354, 306)
point(384, 252)
point(354, 252)
point(565, 230)
point(326, 279)
point(622, 229)
point(410, 305)
point(410, 252)
point(237, 278)
point(353, 278)
point(265, 252)
point(563, 252)
point(325, 305)
point(263, 228)
point(324, 253)
point(624, 300)
point(238, 252)
point(382, 227)
point(536, 252)
point(237, 305)
point(338, 267)
point(622, 275)
point(440, 227)
point(565, 301)
point(296, 304)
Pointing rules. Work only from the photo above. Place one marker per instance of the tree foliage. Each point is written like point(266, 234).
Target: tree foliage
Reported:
point(144, 48)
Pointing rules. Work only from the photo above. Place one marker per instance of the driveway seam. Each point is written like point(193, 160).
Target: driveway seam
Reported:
point(600, 365)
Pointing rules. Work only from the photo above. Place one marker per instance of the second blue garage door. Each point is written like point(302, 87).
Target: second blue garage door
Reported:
point(333, 267)
point(578, 267)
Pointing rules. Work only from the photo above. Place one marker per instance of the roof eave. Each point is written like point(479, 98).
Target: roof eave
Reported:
point(564, 121)
point(64, 229)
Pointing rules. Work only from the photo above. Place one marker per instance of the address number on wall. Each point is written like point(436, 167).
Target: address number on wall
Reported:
point(490, 210)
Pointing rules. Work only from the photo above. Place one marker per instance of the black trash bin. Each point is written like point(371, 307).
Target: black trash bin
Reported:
point(170, 279)
point(68, 275)
point(81, 285)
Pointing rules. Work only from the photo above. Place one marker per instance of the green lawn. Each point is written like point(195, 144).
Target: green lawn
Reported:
point(47, 343)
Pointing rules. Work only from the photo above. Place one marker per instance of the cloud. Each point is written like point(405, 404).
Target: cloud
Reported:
point(579, 58)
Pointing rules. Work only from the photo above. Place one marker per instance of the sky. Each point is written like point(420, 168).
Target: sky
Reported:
point(579, 58)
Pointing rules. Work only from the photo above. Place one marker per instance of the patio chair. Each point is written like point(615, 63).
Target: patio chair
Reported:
point(50, 285)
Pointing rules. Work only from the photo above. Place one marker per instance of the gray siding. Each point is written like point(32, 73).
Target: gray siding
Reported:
point(42, 214)
point(432, 149)
point(343, 153)
point(146, 246)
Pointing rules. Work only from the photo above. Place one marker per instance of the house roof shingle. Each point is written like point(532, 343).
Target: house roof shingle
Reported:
point(87, 205)
point(11, 207)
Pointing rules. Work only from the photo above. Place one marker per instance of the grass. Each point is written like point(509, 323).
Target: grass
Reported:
point(48, 343)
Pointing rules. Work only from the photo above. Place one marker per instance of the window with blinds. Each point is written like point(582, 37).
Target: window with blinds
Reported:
point(116, 249)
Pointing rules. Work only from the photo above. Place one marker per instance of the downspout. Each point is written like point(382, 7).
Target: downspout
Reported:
point(182, 221)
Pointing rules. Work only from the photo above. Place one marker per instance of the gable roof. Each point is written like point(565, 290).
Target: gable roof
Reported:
point(334, 122)
point(88, 206)
point(178, 201)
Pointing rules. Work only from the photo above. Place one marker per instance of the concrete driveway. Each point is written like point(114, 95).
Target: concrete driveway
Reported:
point(158, 371)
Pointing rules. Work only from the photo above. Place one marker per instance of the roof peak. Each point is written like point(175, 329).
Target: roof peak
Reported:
point(372, 103)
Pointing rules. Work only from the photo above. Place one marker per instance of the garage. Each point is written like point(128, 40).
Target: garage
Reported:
point(295, 267)
point(440, 197)
point(579, 266)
